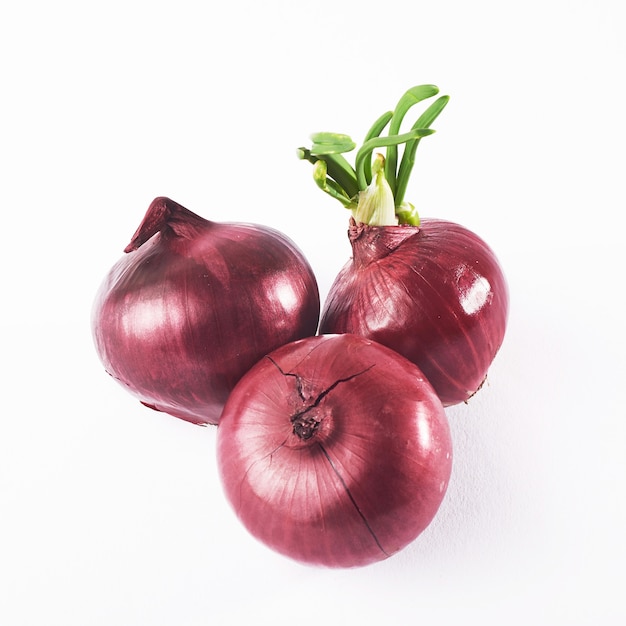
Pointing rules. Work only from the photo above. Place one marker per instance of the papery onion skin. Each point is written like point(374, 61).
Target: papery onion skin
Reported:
point(334, 451)
point(194, 304)
point(434, 293)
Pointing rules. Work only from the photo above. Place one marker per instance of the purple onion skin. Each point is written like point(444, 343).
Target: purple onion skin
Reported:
point(334, 451)
point(194, 304)
point(434, 293)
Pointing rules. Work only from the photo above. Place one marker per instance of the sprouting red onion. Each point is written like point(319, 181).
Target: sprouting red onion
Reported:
point(434, 293)
point(194, 304)
point(431, 290)
point(334, 451)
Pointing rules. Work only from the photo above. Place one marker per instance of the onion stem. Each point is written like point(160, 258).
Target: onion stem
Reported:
point(376, 206)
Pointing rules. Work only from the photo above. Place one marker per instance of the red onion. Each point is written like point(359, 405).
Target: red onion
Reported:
point(431, 290)
point(434, 293)
point(335, 451)
point(194, 304)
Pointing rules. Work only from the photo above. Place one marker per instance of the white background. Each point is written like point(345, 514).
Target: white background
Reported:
point(113, 514)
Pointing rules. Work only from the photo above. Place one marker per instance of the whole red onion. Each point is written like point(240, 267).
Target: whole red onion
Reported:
point(335, 451)
point(434, 293)
point(194, 304)
point(431, 290)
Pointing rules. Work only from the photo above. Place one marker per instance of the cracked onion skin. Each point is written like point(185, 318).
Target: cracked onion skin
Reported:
point(434, 293)
point(334, 451)
point(193, 304)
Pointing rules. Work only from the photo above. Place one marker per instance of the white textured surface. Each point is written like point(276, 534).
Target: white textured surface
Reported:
point(113, 514)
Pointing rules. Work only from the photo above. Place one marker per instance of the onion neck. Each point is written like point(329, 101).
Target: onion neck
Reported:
point(163, 215)
point(371, 243)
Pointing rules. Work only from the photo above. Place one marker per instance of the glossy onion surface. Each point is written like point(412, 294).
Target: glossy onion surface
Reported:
point(194, 304)
point(435, 293)
point(335, 451)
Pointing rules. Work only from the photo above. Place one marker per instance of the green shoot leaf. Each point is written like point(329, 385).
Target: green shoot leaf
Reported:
point(338, 169)
point(410, 98)
point(408, 158)
point(365, 152)
point(377, 127)
point(331, 143)
point(328, 185)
